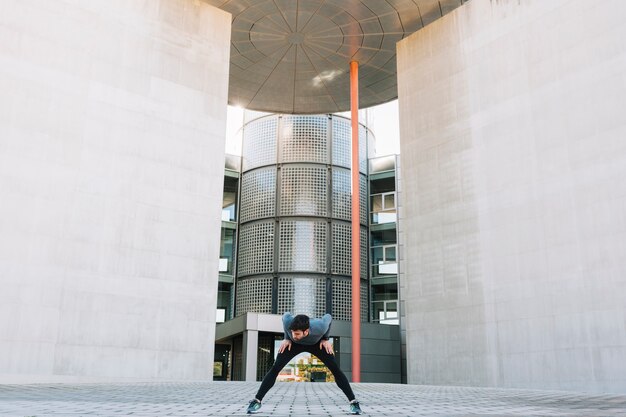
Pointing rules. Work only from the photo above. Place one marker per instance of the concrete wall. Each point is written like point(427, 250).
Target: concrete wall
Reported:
point(514, 195)
point(112, 127)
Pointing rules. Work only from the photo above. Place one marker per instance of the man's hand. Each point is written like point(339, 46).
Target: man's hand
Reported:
point(285, 344)
point(327, 346)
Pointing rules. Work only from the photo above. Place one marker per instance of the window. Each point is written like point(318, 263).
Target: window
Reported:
point(383, 237)
point(224, 302)
point(227, 251)
point(229, 202)
point(385, 312)
point(383, 254)
point(383, 208)
point(383, 260)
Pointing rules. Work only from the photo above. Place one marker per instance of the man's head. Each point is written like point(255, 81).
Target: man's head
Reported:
point(299, 327)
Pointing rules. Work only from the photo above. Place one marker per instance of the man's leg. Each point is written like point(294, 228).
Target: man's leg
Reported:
point(281, 360)
point(331, 364)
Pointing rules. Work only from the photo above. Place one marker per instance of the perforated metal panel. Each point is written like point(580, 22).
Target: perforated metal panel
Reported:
point(258, 194)
point(362, 150)
point(302, 246)
point(305, 243)
point(302, 295)
point(363, 252)
point(341, 263)
point(254, 295)
point(304, 191)
point(341, 142)
point(341, 249)
point(259, 143)
point(341, 198)
point(256, 248)
point(342, 300)
point(363, 210)
point(304, 138)
point(364, 303)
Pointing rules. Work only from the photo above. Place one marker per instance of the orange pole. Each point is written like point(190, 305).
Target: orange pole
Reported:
point(356, 226)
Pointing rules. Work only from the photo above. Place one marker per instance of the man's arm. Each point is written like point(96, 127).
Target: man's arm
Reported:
point(327, 320)
point(324, 343)
point(287, 319)
point(286, 343)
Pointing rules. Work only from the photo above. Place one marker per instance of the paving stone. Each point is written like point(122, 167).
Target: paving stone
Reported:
point(296, 399)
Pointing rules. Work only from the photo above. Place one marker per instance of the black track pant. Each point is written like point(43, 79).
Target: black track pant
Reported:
point(283, 359)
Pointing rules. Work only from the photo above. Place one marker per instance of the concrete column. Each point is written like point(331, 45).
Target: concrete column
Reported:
point(250, 348)
point(512, 135)
point(112, 130)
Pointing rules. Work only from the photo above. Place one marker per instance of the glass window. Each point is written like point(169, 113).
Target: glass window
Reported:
point(383, 237)
point(391, 313)
point(385, 292)
point(227, 250)
point(224, 301)
point(390, 317)
point(377, 203)
point(390, 253)
point(378, 307)
point(229, 201)
point(383, 208)
point(389, 201)
point(383, 259)
point(385, 312)
point(383, 185)
point(383, 202)
point(378, 254)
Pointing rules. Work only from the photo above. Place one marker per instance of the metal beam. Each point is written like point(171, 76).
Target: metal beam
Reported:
point(356, 226)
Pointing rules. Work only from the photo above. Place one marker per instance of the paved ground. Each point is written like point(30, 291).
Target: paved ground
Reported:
point(295, 399)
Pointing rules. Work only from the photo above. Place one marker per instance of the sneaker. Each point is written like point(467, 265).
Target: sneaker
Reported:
point(355, 408)
point(254, 406)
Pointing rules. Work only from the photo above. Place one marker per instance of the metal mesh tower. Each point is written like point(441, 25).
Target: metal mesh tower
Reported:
point(294, 235)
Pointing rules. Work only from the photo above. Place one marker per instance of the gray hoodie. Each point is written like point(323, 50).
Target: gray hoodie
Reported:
point(318, 329)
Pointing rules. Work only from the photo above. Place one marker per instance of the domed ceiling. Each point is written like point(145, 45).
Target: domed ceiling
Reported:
point(292, 56)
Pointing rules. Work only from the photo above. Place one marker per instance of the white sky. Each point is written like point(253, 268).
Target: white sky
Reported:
point(382, 120)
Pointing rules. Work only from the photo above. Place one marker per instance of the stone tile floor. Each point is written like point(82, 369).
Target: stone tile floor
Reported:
point(296, 399)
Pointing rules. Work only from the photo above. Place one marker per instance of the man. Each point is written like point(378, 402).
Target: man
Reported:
point(304, 335)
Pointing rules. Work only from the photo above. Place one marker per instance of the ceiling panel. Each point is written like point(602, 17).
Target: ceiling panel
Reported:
point(293, 56)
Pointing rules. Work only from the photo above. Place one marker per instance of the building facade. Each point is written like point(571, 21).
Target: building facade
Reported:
point(383, 242)
point(294, 240)
point(510, 195)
